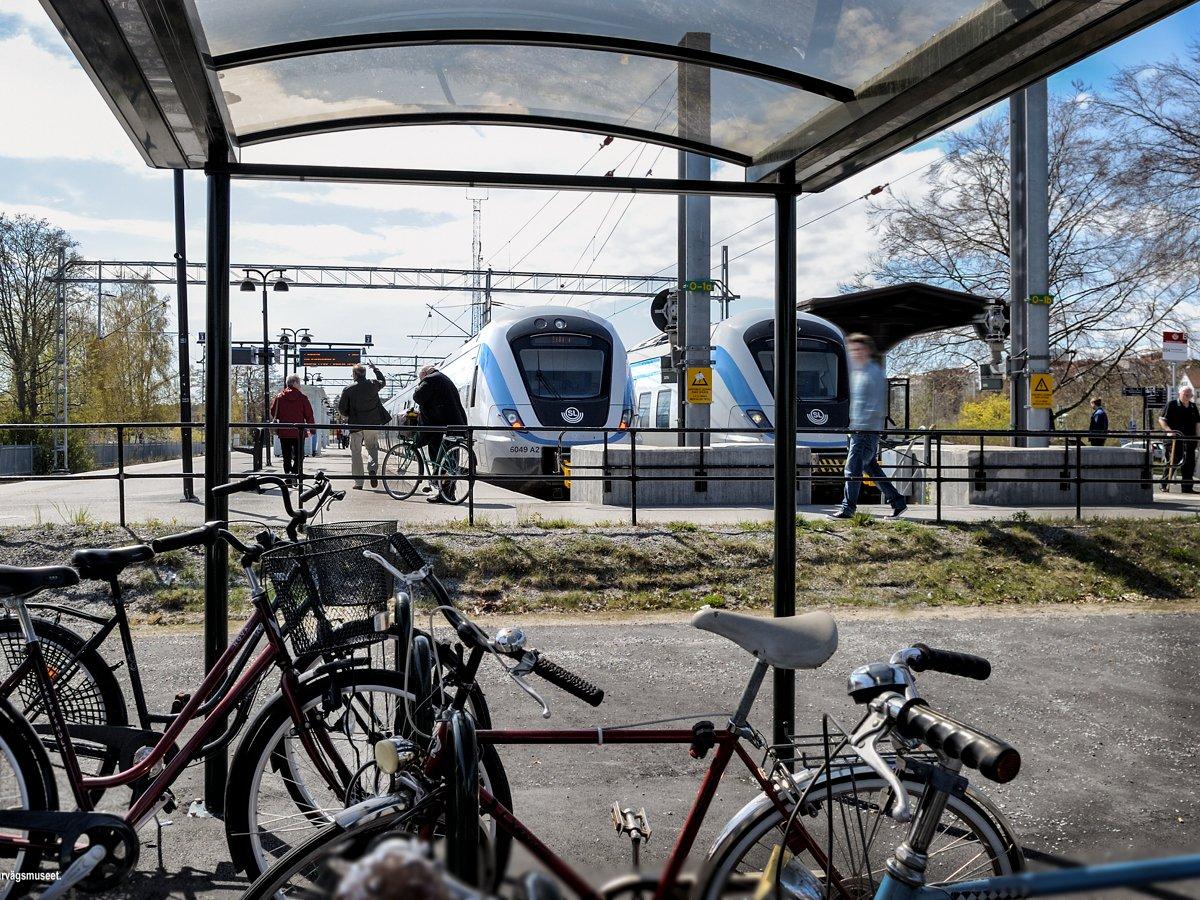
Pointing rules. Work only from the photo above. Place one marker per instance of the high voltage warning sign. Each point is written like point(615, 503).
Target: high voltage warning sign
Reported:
point(699, 384)
point(1041, 391)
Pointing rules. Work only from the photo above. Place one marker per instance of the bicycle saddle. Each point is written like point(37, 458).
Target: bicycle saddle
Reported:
point(792, 642)
point(105, 565)
point(18, 580)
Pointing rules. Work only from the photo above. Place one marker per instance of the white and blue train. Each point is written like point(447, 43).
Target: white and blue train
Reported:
point(529, 376)
point(744, 383)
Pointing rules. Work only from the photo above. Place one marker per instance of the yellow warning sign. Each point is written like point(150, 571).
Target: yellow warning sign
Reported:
point(1041, 391)
point(699, 384)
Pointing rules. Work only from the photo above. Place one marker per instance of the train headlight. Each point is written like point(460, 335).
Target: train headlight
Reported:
point(512, 417)
point(758, 418)
point(626, 418)
point(540, 323)
point(560, 324)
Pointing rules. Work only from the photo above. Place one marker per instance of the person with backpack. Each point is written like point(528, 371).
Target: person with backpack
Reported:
point(364, 413)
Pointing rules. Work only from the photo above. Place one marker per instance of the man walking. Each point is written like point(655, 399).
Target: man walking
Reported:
point(868, 414)
point(291, 407)
point(364, 413)
point(1181, 419)
point(1098, 425)
point(440, 405)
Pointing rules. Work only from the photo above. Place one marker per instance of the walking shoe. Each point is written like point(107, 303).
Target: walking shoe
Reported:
point(374, 480)
point(842, 513)
point(899, 505)
point(358, 487)
point(436, 498)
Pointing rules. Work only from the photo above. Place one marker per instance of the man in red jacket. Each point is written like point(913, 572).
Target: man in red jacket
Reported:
point(292, 407)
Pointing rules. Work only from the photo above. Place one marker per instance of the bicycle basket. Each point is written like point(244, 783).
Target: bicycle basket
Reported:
point(367, 526)
point(327, 593)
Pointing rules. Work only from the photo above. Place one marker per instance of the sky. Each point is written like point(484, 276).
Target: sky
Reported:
point(64, 157)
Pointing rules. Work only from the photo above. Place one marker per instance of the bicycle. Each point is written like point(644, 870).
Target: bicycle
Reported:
point(438, 793)
point(88, 690)
point(315, 757)
point(405, 465)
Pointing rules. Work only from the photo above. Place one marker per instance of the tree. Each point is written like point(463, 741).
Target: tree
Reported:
point(29, 320)
point(1112, 284)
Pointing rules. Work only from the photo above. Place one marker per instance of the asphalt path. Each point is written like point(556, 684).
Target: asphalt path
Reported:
point(1101, 705)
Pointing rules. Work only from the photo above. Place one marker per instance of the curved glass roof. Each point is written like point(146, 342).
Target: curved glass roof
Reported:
point(823, 87)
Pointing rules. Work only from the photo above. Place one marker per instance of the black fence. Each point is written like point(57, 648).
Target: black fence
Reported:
point(930, 462)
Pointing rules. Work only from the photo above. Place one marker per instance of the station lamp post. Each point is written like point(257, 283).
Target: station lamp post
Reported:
point(254, 278)
point(289, 337)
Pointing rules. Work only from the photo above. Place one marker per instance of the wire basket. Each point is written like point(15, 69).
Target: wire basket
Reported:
point(366, 526)
point(327, 594)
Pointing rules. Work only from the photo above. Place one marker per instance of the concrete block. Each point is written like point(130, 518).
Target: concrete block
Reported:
point(1041, 476)
point(672, 476)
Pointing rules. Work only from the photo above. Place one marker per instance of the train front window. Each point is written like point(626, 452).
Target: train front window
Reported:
point(816, 367)
point(563, 366)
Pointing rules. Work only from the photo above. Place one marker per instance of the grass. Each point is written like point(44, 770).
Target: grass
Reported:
point(548, 565)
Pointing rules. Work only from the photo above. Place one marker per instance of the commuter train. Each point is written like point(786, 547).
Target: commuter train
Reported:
point(531, 374)
point(744, 383)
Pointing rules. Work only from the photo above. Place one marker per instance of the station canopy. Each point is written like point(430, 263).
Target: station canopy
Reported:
point(899, 311)
point(825, 87)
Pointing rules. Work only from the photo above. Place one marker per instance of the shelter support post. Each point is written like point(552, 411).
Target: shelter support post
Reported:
point(216, 457)
point(785, 451)
point(1037, 254)
point(1017, 308)
point(185, 362)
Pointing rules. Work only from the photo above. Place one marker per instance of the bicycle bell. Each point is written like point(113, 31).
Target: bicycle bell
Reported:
point(868, 682)
point(510, 640)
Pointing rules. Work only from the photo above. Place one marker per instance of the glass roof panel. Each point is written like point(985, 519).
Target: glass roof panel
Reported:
point(584, 86)
point(844, 41)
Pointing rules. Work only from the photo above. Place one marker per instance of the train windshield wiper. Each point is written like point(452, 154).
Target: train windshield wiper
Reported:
point(546, 381)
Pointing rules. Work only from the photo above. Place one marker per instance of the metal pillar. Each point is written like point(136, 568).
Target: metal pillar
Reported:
point(62, 446)
point(268, 435)
point(1037, 254)
point(181, 315)
point(99, 299)
point(785, 449)
point(216, 458)
point(1018, 266)
point(695, 123)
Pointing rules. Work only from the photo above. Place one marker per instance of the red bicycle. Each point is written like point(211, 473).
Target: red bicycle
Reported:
point(831, 814)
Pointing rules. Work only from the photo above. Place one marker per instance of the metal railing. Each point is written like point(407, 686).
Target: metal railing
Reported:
point(629, 456)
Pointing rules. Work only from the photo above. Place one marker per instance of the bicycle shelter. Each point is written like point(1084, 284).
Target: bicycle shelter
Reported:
point(801, 93)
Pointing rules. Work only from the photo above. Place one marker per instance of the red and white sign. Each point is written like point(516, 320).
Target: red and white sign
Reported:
point(1175, 346)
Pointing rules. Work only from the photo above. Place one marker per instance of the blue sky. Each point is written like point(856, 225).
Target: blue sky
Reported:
point(63, 156)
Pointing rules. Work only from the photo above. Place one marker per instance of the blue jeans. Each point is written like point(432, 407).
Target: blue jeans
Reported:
point(861, 458)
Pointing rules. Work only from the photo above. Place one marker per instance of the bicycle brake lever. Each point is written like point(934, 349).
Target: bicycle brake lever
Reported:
point(864, 740)
point(530, 691)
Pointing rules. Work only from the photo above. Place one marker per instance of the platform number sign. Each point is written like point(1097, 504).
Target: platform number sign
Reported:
point(1174, 346)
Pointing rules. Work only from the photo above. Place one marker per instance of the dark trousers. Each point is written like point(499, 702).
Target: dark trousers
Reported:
point(293, 454)
point(1183, 458)
point(862, 459)
point(1097, 441)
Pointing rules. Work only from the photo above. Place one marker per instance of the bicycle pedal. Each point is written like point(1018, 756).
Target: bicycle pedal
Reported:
point(631, 822)
point(179, 703)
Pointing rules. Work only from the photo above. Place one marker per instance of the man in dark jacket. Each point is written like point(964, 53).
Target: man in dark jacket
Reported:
point(364, 413)
point(1098, 425)
point(440, 405)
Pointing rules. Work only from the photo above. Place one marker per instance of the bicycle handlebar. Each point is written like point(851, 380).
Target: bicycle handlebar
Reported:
point(966, 665)
point(206, 535)
point(568, 681)
point(915, 719)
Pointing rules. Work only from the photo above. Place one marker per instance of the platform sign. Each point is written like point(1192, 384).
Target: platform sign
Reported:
point(249, 356)
point(1174, 346)
point(699, 384)
point(1041, 391)
point(330, 357)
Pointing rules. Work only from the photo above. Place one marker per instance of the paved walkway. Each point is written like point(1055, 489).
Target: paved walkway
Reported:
point(154, 491)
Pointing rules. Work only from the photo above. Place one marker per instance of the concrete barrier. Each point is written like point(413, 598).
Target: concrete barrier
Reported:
point(688, 485)
point(1042, 476)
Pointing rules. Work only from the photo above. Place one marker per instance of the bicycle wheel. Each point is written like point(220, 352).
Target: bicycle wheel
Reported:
point(26, 783)
point(454, 465)
point(87, 689)
point(973, 840)
point(276, 797)
point(402, 471)
point(462, 833)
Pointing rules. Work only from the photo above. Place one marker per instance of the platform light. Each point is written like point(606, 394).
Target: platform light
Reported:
point(248, 286)
point(280, 286)
point(513, 418)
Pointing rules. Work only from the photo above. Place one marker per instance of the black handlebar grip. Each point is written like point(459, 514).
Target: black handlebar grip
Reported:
point(236, 487)
point(950, 662)
point(206, 535)
point(313, 491)
point(992, 757)
point(568, 681)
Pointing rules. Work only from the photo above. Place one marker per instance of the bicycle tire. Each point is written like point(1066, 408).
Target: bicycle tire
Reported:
point(462, 832)
point(737, 848)
point(455, 461)
point(36, 791)
point(265, 749)
point(91, 695)
point(396, 471)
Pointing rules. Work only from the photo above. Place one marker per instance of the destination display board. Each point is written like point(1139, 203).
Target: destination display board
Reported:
point(330, 357)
